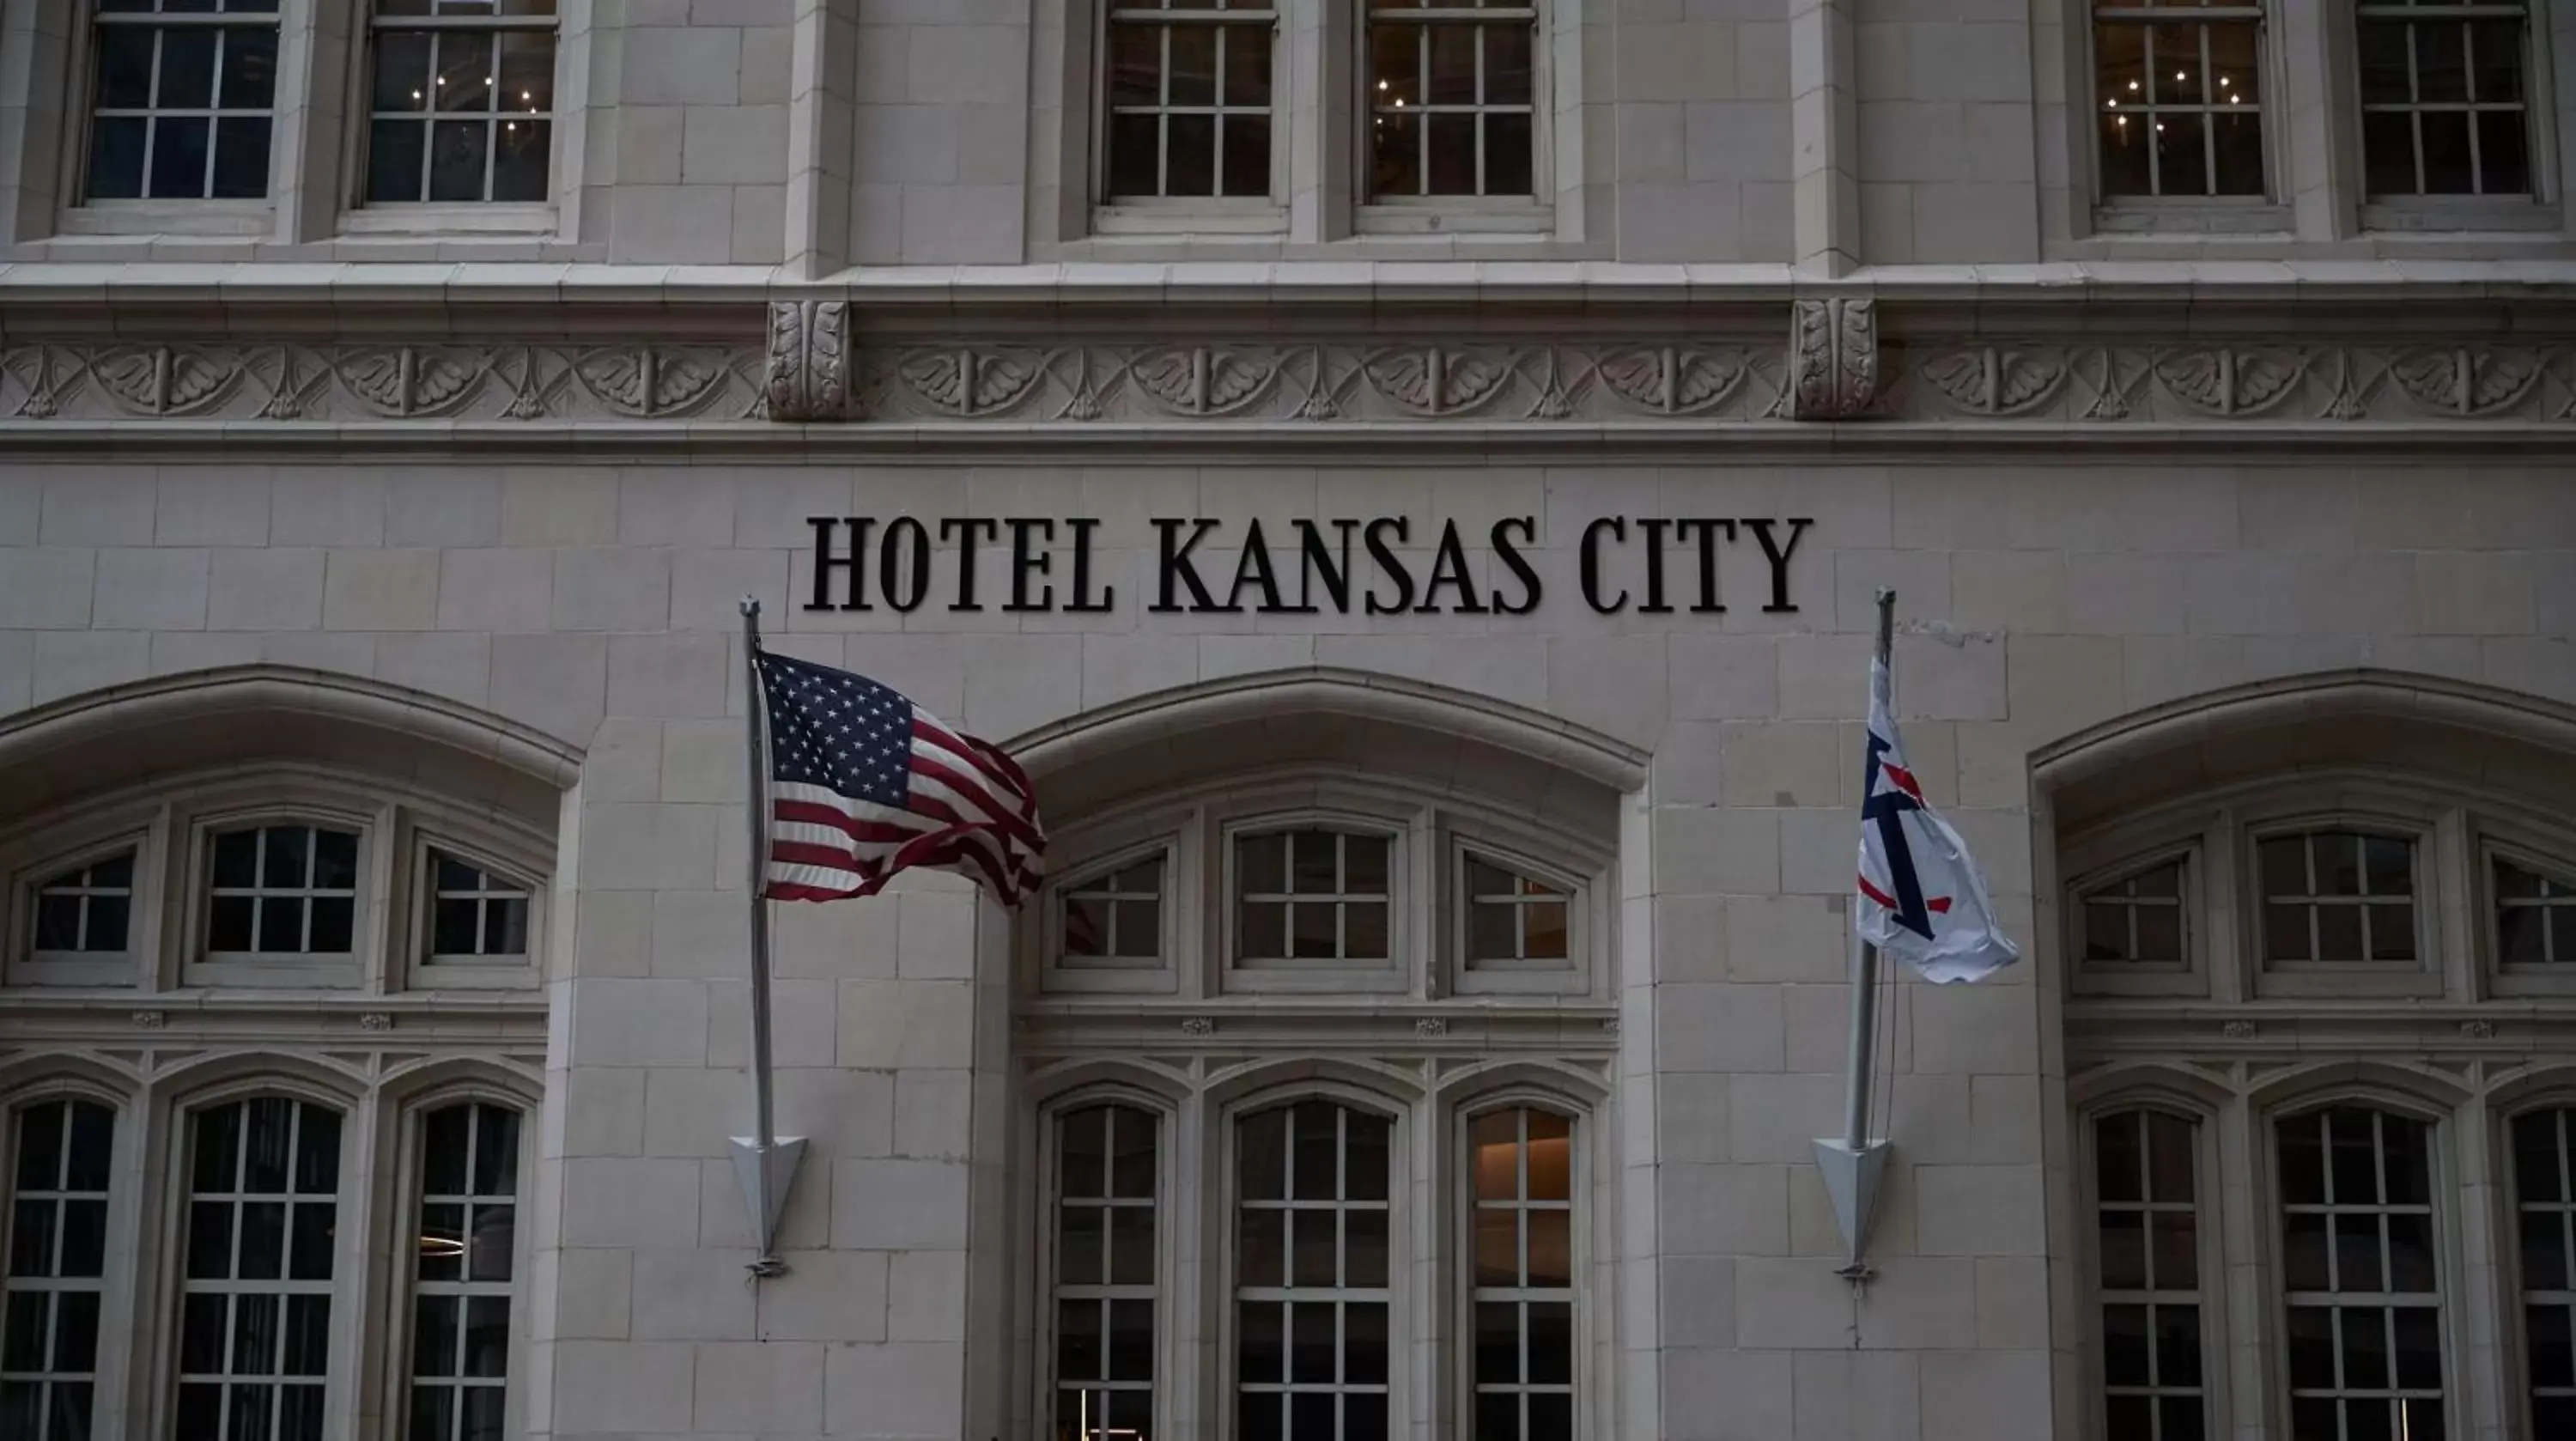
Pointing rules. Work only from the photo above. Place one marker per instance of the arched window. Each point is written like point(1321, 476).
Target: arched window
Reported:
point(1106, 1250)
point(2544, 1197)
point(57, 1262)
point(1312, 1239)
point(1521, 1164)
point(466, 1260)
point(1312, 896)
point(2360, 1279)
point(260, 1246)
point(2147, 1258)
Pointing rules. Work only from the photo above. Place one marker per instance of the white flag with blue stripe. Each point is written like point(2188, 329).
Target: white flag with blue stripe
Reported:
point(1921, 898)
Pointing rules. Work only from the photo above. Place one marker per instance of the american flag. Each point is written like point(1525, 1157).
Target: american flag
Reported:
point(863, 783)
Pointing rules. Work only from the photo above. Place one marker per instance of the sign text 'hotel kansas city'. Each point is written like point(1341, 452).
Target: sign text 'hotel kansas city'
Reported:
point(1378, 566)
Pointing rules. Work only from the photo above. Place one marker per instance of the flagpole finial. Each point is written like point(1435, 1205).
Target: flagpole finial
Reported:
point(751, 607)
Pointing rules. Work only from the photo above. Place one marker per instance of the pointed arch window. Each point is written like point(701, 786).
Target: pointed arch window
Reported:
point(57, 1261)
point(1312, 1238)
point(1521, 1160)
point(259, 1258)
point(1106, 1250)
point(467, 1255)
point(2544, 1179)
point(2359, 1267)
point(2146, 1196)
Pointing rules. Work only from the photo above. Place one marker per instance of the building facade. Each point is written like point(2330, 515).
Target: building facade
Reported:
point(1410, 482)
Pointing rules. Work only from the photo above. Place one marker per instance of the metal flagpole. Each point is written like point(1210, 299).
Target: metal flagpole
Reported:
point(1852, 1166)
point(764, 1164)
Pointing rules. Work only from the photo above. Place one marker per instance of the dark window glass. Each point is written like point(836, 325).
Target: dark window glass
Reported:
point(1105, 1273)
point(461, 114)
point(1452, 102)
point(1189, 103)
point(2364, 1295)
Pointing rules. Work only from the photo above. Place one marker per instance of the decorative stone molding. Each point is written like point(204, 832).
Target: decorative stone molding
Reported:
point(808, 360)
point(293, 381)
point(1431, 1026)
point(375, 1021)
point(811, 370)
point(1833, 358)
point(2477, 1030)
point(2042, 380)
point(1198, 1025)
point(2237, 1030)
point(150, 1020)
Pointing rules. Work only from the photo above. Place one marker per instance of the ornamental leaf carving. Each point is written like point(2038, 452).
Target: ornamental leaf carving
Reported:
point(2228, 382)
point(1434, 381)
point(965, 382)
point(1994, 380)
point(163, 380)
point(408, 381)
point(379, 378)
point(1671, 381)
point(1201, 381)
point(2467, 382)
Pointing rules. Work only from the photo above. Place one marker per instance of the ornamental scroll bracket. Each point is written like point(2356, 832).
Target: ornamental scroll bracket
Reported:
point(808, 376)
point(1833, 358)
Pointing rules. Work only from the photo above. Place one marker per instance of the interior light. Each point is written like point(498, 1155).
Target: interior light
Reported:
point(2114, 104)
point(2133, 84)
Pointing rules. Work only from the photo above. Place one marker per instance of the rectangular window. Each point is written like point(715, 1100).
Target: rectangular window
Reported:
point(475, 914)
point(2544, 1178)
point(2147, 1213)
point(255, 1294)
point(1115, 920)
point(1316, 896)
point(1189, 99)
point(2535, 917)
point(1452, 99)
point(288, 890)
point(2137, 920)
point(2362, 1279)
point(468, 1247)
point(1523, 1163)
point(1513, 922)
point(2178, 92)
point(462, 101)
point(2445, 99)
point(2337, 896)
point(1312, 1340)
point(181, 99)
point(57, 1252)
point(86, 912)
point(1104, 1275)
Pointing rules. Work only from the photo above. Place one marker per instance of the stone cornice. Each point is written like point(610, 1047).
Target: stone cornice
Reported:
point(422, 302)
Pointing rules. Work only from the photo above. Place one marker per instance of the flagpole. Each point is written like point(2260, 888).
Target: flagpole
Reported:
point(1853, 1166)
point(765, 1165)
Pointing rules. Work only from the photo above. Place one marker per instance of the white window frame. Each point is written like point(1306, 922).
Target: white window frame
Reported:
point(244, 217)
point(2402, 214)
point(2509, 1260)
point(171, 824)
point(362, 217)
point(107, 1365)
point(1585, 899)
point(82, 843)
point(2533, 849)
point(408, 1131)
point(2447, 1197)
point(2266, 213)
point(341, 1289)
point(2188, 976)
point(1463, 1206)
point(1265, 214)
point(2421, 975)
point(2210, 1244)
point(1436, 214)
point(1045, 1216)
point(1288, 974)
point(1058, 972)
point(1402, 1185)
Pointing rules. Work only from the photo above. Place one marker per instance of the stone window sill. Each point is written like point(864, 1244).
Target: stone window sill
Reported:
point(1512, 216)
point(449, 220)
point(2414, 214)
point(2186, 216)
point(229, 218)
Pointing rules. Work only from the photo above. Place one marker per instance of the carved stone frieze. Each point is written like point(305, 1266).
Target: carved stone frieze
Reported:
point(1833, 358)
point(812, 368)
point(2189, 382)
point(292, 381)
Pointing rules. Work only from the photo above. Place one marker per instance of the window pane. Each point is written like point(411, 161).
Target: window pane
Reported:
point(2504, 153)
point(1247, 65)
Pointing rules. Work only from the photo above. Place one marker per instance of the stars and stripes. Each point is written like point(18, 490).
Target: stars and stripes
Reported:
point(863, 784)
point(1921, 898)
